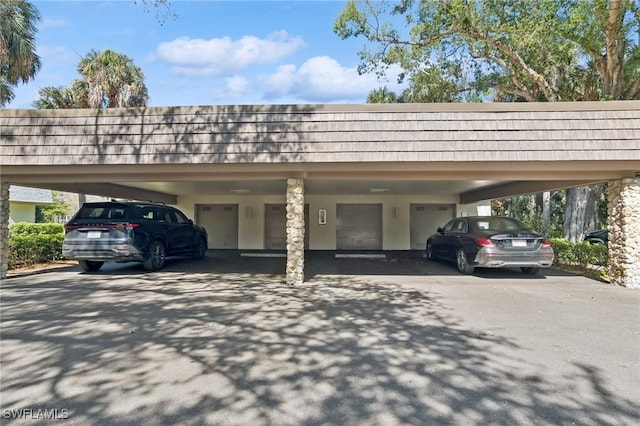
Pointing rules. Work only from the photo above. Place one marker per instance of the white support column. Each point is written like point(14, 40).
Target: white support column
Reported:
point(295, 231)
point(4, 229)
point(624, 232)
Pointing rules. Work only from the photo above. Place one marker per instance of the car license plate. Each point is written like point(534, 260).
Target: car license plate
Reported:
point(519, 243)
point(93, 234)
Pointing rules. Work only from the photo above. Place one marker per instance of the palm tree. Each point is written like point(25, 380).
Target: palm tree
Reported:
point(19, 62)
point(109, 80)
point(64, 97)
point(55, 98)
point(113, 80)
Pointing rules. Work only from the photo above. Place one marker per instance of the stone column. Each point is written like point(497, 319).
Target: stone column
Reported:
point(295, 231)
point(624, 232)
point(4, 229)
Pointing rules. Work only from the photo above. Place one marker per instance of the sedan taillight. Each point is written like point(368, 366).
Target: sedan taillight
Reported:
point(484, 242)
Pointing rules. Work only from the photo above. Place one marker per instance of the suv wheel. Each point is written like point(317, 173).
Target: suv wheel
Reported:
point(156, 258)
point(90, 265)
point(201, 249)
point(463, 263)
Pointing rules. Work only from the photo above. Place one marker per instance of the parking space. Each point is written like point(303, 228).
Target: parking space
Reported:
point(362, 341)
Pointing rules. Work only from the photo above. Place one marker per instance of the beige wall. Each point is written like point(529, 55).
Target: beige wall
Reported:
point(395, 216)
point(21, 212)
point(250, 214)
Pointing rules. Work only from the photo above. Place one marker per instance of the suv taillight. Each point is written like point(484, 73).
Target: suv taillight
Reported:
point(546, 243)
point(127, 226)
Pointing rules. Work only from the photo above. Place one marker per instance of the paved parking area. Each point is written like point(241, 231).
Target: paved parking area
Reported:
point(361, 342)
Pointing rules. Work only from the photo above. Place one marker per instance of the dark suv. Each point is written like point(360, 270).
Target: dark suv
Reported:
point(131, 232)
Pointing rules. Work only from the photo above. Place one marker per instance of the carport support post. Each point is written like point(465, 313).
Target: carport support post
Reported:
point(624, 232)
point(4, 230)
point(295, 231)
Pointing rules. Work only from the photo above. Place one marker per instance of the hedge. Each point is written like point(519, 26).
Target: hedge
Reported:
point(583, 257)
point(32, 243)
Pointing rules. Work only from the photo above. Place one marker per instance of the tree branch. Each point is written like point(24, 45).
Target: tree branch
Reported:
point(516, 60)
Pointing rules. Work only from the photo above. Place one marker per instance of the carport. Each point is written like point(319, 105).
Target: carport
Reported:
point(397, 159)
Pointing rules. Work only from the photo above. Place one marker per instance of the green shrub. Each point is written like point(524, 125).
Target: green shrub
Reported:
point(32, 243)
point(563, 251)
point(581, 257)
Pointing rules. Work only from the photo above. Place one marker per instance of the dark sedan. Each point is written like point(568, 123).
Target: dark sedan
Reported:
point(490, 242)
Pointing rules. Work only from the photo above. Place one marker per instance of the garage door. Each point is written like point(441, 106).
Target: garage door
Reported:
point(221, 223)
point(275, 226)
point(359, 226)
point(425, 219)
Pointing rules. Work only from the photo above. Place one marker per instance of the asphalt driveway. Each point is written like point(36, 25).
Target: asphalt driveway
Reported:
point(361, 342)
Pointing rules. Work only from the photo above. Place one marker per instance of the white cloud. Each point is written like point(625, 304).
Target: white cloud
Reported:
point(224, 55)
point(322, 79)
point(57, 55)
point(235, 88)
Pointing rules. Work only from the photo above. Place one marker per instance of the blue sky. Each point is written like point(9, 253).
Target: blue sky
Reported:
point(212, 53)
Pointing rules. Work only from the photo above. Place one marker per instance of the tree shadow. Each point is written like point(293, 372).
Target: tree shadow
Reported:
point(240, 348)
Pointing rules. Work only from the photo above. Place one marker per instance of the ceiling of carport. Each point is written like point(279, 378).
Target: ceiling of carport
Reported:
point(313, 187)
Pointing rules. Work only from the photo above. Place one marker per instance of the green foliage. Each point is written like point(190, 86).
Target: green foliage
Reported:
point(528, 209)
point(513, 50)
point(109, 80)
point(19, 62)
point(32, 243)
point(49, 212)
point(581, 257)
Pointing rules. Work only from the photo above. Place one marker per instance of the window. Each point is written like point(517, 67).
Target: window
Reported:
point(180, 218)
point(449, 226)
point(148, 214)
point(460, 226)
point(101, 211)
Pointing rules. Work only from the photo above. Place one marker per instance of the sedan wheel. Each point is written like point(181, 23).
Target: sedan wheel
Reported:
point(531, 270)
point(429, 251)
point(463, 263)
point(201, 249)
point(156, 257)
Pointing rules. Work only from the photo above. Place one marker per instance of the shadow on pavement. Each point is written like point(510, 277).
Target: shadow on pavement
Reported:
point(238, 347)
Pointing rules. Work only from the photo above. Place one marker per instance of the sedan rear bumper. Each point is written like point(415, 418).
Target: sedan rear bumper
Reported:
point(490, 257)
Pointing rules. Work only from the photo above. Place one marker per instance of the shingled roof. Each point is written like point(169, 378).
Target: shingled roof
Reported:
point(322, 133)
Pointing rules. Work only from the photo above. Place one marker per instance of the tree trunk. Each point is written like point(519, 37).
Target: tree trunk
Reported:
point(581, 213)
point(546, 211)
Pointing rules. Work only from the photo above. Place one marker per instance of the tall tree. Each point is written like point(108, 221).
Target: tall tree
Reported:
point(109, 80)
point(55, 98)
point(112, 80)
point(19, 62)
point(546, 50)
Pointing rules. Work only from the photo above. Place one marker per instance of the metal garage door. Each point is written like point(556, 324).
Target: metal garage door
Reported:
point(275, 226)
point(359, 227)
point(425, 219)
point(221, 223)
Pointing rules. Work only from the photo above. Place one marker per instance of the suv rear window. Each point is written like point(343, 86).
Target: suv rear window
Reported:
point(103, 211)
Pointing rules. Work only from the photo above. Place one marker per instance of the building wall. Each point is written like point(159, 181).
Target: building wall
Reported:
point(21, 212)
point(395, 216)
